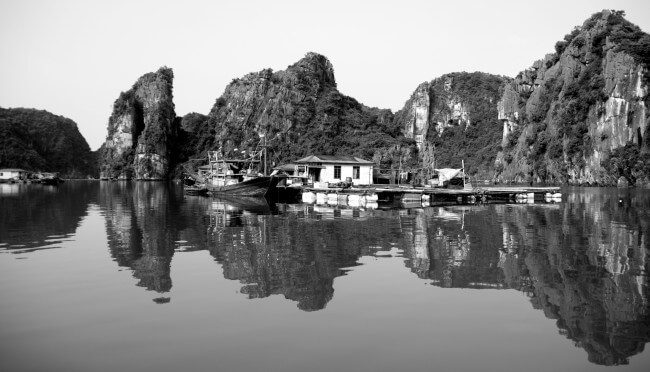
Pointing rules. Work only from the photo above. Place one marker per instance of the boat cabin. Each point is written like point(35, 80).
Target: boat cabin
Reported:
point(223, 172)
point(333, 169)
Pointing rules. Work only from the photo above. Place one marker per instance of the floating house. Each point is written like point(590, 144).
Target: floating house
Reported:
point(334, 169)
point(13, 174)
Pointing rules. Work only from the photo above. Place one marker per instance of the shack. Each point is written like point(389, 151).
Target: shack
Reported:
point(333, 169)
point(13, 175)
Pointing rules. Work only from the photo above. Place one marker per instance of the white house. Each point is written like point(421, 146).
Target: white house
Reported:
point(330, 168)
point(12, 174)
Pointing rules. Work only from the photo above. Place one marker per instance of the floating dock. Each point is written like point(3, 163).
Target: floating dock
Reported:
point(392, 193)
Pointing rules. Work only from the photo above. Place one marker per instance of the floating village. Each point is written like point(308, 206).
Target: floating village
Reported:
point(349, 181)
point(17, 175)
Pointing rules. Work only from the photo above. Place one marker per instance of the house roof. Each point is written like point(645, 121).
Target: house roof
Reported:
point(12, 170)
point(334, 159)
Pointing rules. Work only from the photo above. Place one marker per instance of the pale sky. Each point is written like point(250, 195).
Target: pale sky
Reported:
point(74, 57)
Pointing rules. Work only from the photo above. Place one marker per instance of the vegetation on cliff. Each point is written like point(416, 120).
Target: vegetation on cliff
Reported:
point(37, 140)
point(299, 111)
point(573, 117)
point(461, 120)
point(142, 130)
point(579, 106)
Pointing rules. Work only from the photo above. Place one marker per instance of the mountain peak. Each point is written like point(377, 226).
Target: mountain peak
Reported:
point(317, 64)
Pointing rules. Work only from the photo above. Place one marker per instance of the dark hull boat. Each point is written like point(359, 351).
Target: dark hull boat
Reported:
point(257, 186)
point(195, 190)
point(234, 177)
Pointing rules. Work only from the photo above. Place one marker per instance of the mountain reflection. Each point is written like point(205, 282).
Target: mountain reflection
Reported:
point(301, 262)
point(140, 232)
point(35, 216)
point(583, 262)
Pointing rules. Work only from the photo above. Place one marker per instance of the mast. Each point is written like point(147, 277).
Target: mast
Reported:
point(264, 154)
point(463, 164)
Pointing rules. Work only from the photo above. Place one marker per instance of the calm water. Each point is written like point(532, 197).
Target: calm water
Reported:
point(138, 277)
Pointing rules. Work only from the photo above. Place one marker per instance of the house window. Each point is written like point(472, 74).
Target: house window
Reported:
point(337, 172)
point(356, 172)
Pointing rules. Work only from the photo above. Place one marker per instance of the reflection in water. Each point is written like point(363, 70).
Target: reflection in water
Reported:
point(583, 262)
point(140, 229)
point(298, 255)
point(34, 216)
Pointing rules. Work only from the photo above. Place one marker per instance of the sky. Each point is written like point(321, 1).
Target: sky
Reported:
point(74, 57)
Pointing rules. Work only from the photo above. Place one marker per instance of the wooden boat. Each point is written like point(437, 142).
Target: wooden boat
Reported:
point(50, 179)
point(235, 184)
point(231, 177)
point(195, 190)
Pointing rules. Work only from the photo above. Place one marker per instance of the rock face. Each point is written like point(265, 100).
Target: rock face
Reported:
point(298, 110)
point(457, 114)
point(434, 106)
point(141, 130)
point(564, 116)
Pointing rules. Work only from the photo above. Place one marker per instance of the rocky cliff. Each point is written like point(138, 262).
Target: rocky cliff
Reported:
point(142, 130)
point(298, 110)
point(566, 116)
point(457, 114)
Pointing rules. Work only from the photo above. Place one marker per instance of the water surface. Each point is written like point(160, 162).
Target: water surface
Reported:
point(101, 276)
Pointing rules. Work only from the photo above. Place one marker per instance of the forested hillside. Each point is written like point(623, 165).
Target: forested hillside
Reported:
point(37, 140)
point(301, 112)
point(454, 119)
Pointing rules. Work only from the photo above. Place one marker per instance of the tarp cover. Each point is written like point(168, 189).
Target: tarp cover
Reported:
point(445, 174)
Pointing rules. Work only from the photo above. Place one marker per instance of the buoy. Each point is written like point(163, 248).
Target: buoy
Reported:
point(372, 205)
point(308, 197)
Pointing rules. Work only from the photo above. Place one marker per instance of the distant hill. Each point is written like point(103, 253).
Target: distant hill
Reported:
point(41, 141)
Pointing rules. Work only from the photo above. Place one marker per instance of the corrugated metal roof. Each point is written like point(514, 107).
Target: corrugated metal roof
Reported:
point(337, 159)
